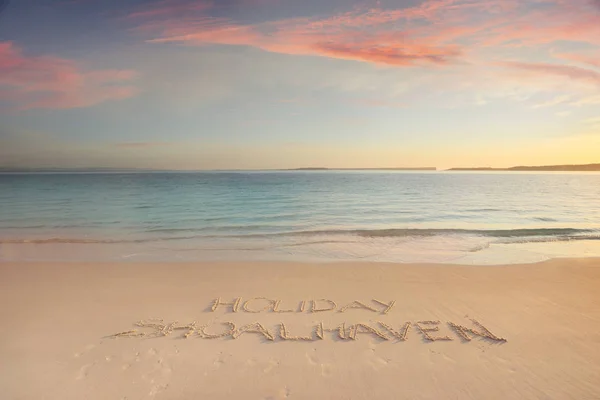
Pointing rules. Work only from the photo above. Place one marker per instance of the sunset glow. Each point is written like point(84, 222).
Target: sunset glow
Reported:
point(228, 84)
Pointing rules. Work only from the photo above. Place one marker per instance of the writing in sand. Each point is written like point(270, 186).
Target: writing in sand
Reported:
point(428, 329)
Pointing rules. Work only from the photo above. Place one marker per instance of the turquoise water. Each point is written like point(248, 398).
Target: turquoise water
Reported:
point(381, 216)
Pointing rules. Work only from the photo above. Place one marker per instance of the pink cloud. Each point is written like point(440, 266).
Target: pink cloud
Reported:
point(336, 37)
point(534, 23)
point(429, 10)
point(390, 55)
point(525, 33)
point(435, 32)
point(52, 82)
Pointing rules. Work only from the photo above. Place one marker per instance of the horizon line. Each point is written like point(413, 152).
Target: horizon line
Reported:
point(557, 167)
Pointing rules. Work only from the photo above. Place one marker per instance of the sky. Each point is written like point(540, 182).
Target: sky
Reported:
point(253, 84)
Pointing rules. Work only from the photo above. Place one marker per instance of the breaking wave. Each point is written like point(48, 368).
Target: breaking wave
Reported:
point(328, 236)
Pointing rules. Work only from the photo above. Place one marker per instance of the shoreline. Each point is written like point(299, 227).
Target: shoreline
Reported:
point(281, 262)
point(62, 319)
point(426, 250)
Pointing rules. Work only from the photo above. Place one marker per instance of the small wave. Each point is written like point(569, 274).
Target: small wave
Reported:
point(174, 230)
point(436, 232)
point(94, 241)
point(544, 219)
point(27, 227)
point(502, 236)
point(479, 248)
point(224, 228)
point(547, 239)
point(56, 241)
point(318, 242)
point(214, 219)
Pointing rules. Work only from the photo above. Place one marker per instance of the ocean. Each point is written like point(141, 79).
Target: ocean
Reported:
point(391, 216)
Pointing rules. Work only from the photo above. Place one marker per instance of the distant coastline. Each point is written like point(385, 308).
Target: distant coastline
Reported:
point(585, 167)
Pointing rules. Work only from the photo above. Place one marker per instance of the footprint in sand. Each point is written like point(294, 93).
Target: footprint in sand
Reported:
point(84, 371)
point(272, 365)
point(157, 389)
point(283, 394)
point(377, 362)
point(87, 349)
point(313, 359)
point(159, 375)
point(220, 360)
point(446, 358)
point(508, 364)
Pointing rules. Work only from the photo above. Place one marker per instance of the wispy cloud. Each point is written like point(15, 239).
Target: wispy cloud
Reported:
point(360, 35)
point(170, 8)
point(593, 123)
point(554, 101)
point(595, 120)
point(435, 32)
point(582, 58)
point(567, 71)
point(28, 82)
point(586, 101)
point(545, 27)
point(136, 145)
point(379, 103)
point(405, 55)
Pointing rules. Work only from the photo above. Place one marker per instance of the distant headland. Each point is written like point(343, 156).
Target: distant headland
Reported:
point(585, 167)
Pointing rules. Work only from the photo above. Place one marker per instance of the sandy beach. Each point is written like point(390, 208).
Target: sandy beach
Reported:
point(528, 331)
point(300, 200)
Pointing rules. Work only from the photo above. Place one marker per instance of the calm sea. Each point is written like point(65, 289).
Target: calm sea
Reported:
point(481, 218)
